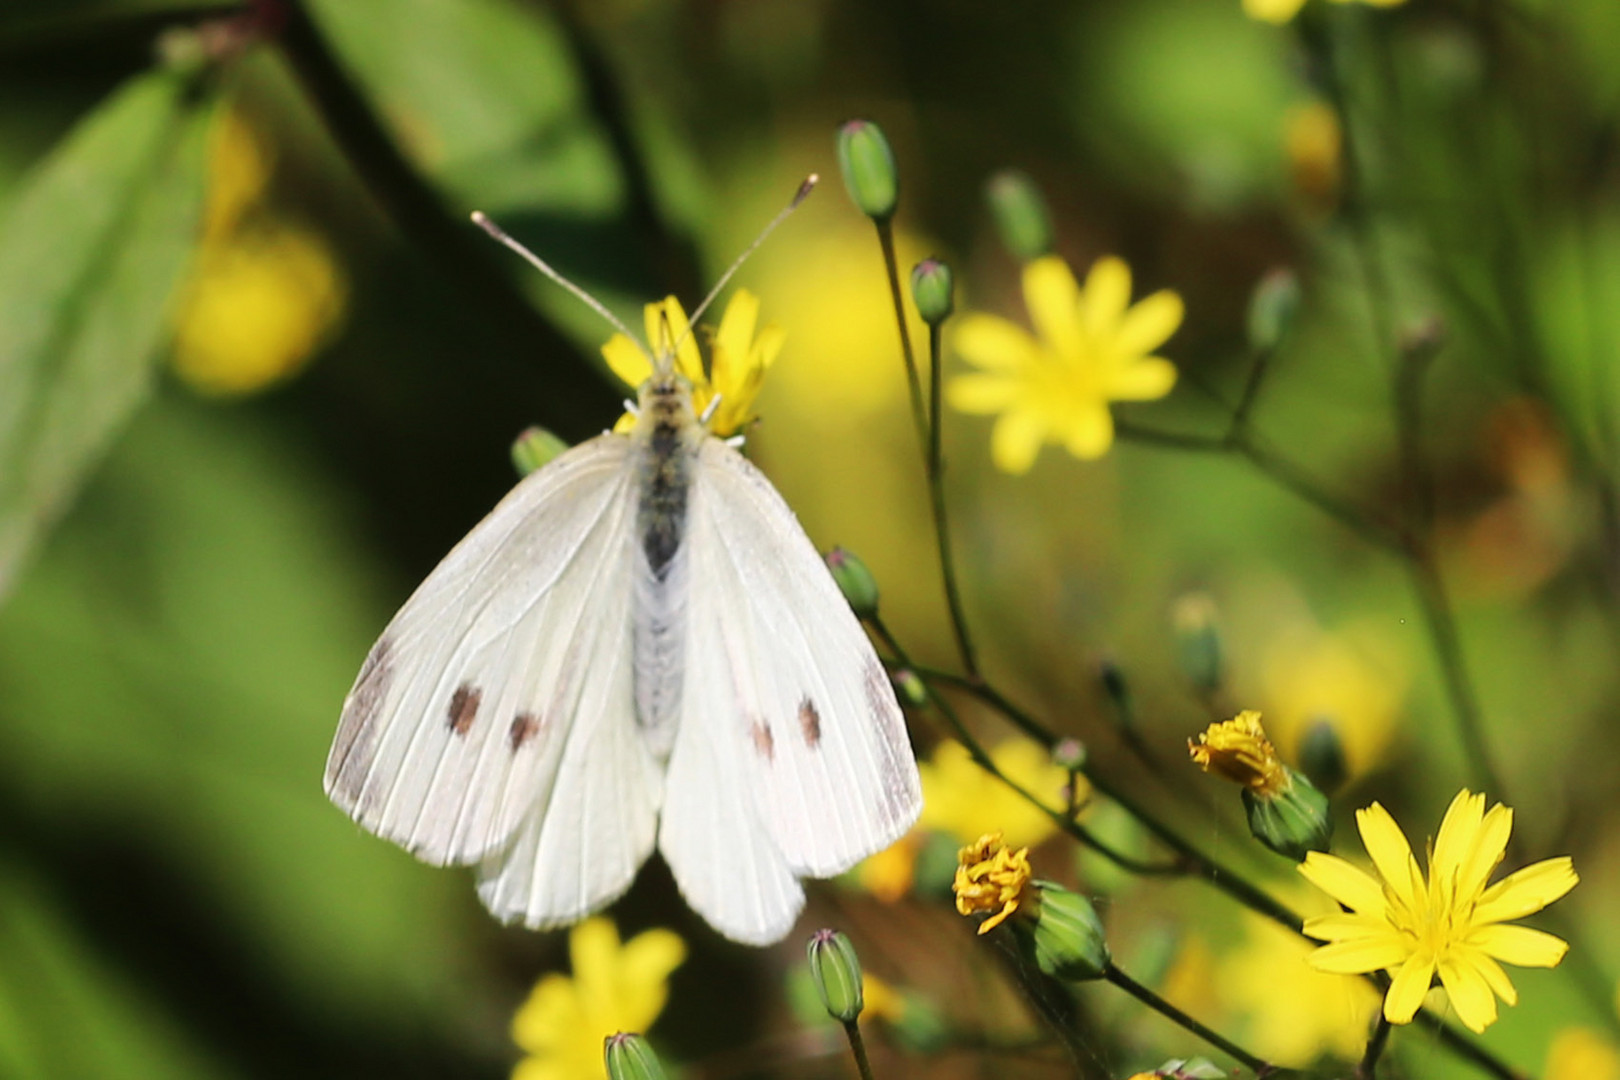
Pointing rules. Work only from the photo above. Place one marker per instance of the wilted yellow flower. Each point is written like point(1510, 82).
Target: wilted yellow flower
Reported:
point(1238, 750)
point(1450, 923)
point(1579, 1053)
point(990, 877)
point(1280, 11)
point(613, 988)
point(1093, 347)
point(738, 358)
point(966, 802)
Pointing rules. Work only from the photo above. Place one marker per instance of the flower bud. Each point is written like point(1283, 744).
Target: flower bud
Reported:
point(932, 290)
point(1293, 821)
point(855, 581)
point(629, 1057)
point(869, 171)
point(913, 691)
point(1272, 307)
point(837, 974)
point(1067, 937)
point(1069, 754)
point(1321, 754)
point(1020, 213)
point(534, 449)
point(1198, 642)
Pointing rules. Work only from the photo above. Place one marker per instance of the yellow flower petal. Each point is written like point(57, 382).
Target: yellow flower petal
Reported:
point(1149, 323)
point(1520, 945)
point(1470, 995)
point(1408, 988)
point(1016, 440)
point(1344, 927)
point(1145, 380)
point(1390, 852)
point(1054, 303)
point(1360, 956)
point(993, 343)
point(1347, 884)
point(1491, 972)
point(1272, 11)
point(1108, 293)
point(979, 395)
point(736, 332)
point(627, 360)
point(1526, 891)
point(666, 325)
point(1089, 432)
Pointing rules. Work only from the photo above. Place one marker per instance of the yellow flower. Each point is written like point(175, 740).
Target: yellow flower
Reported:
point(1352, 681)
point(1280, 11)
point(992, 877)
point(1579, 1053)
point(882, 1001)
point(1093, 348)
point(1314, 143)
point(1449, 923)
point(613, 988)
point(1239, 750)
point(888, 874)
point(1294, 1012)
point(966, 802)
point(737, 358)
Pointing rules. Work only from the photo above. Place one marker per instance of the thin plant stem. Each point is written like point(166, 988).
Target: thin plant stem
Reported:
point(1375, 1048)
point(936, 493)
point(1261, 1067)
point(857, 1046)
point(919, 412)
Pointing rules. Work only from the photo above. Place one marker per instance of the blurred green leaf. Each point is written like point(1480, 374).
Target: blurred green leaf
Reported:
point(90, 255)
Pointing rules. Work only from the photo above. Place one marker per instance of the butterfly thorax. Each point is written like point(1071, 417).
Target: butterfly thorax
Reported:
point(666, 437)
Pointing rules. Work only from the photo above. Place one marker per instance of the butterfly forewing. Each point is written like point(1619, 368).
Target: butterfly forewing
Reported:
point(464, 708)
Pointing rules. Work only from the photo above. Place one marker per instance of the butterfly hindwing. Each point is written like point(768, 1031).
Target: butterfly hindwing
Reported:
point(469, 702)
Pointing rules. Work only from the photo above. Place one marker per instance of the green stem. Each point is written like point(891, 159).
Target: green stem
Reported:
point(1261, 1067)
point(1375, 1048)
point(857, 1046)
point(919, 414)
point(936, 493)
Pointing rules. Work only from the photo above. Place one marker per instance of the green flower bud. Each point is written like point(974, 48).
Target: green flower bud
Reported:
point(1198, 642)
point(913, 691)
point(535, 448)
point(629, 1057)
point(837, 973)
point(869, 171)
point(1292, 821)
point(1423, 337)
point(1067, 937)
point(1118, 692)
point(1020, 213)
point(1321, 755)
point(1190, 1069)
point(855, 581)
point(933, 291)
point(1272, 308)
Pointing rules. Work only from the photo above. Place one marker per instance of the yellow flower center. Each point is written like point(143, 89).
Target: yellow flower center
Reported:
point(1239, 750)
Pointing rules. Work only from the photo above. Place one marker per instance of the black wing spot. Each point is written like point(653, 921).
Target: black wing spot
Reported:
point(464, 707)
point(764, 741)
point(810, 723)
point(525, 726)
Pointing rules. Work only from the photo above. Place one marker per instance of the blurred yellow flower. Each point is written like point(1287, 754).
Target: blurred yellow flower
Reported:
point(1280, 11)
point(263, 294)
point(966, 802)
point(1579, 1053)
point(1352, 681)
point(1449, 923)
point(1238, 750)
point(1294, 1012)
point(614, 988)
point(882, 1001)
point(1314, 144)
point(888, 874)
point(1093, 347)
point(991, 877)
point(738, 359)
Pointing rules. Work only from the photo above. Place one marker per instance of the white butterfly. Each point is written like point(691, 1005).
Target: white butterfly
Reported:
point(638, 647)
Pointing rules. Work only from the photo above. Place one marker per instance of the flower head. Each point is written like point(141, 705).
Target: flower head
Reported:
point(991, 877)
point(1450, 923)
point(1093, 347)
point(737, 358)
point(1239, 750)
point(614, 988)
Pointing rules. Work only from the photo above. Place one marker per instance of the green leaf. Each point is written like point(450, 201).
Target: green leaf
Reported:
point(90, 254)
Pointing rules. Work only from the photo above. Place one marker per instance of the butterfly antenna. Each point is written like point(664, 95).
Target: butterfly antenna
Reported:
point(503, 237)
point(798, 197)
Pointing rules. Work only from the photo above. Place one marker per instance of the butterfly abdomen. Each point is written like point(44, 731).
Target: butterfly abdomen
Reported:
point(667, 437)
